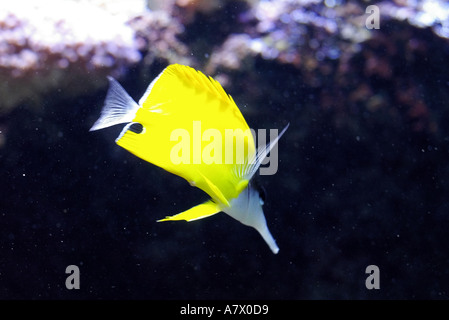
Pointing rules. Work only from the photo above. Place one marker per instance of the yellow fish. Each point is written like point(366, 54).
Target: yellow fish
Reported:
point(183, 123)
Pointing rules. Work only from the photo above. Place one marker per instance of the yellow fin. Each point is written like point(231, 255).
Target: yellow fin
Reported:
point(242, 185)
point(216, 193)
point(200, 211)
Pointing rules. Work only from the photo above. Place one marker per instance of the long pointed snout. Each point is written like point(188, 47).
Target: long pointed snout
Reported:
point(266, 235)
point(247, 209)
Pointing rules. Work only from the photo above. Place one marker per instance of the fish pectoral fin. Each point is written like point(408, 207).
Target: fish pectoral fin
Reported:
point(215, 191)
point(200, 211)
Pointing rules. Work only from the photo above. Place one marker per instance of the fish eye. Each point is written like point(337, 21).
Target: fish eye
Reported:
point(136, 128)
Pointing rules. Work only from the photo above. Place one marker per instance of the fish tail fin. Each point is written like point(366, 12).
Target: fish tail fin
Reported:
point(200, 211)
point(119, 107)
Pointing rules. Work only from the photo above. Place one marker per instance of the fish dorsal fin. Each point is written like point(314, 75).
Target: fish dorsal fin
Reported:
point(118, 108)
point(199, 81)
point(189, 76)
point(254, 163)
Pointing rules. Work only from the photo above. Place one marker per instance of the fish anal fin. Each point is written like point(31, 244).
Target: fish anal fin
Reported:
point(200, 211)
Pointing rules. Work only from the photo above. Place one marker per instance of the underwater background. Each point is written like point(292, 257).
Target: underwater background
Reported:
point(363, 176)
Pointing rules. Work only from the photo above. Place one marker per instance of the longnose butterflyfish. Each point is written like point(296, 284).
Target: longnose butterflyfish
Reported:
point(188, 125)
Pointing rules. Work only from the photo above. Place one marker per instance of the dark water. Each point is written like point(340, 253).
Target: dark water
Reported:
point(355, 187)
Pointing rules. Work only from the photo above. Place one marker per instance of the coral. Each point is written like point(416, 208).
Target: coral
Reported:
point(298, 32)
point(156, 36)
point(192, 6)
point(348, 67)
point(304, 32)
point(422, 14)
point(43, 47)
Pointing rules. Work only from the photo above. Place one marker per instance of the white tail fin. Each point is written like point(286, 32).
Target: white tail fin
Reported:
point(119, 107)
